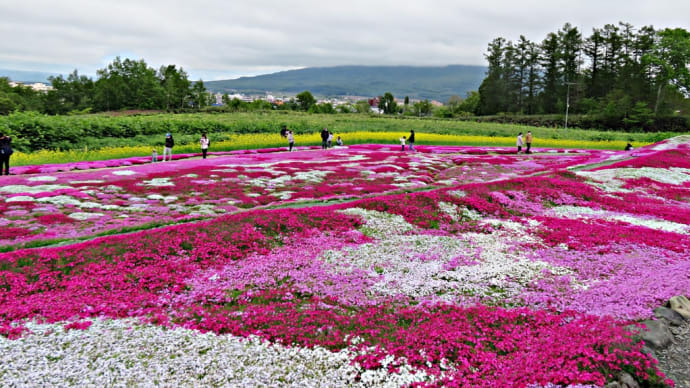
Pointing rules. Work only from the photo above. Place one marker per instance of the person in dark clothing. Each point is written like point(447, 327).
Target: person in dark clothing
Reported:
point(5, 153)
point(324, 138)
point(283, 131)
point(628, 147)
point(169, 144)
point(410, 140)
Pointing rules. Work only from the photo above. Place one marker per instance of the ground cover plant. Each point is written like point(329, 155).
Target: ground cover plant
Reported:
point(92, 198)
point(447, 267)
point(238, 142)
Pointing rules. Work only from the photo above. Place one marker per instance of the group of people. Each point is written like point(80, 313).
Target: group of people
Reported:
point(409, 140)
point(527, 141)
point(204, 142)
point(327, 139)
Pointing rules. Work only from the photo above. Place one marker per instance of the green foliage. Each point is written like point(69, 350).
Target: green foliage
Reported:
point(422, 108)
point(625, 69)
point(362, 106)
point(305, 100)
point(387, 104)
point(33, 131)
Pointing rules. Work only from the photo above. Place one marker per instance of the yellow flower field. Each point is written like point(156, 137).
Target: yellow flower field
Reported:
point(269, 140)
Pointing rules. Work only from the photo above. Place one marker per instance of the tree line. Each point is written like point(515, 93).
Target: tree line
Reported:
point(123, 84)
point(618, 73)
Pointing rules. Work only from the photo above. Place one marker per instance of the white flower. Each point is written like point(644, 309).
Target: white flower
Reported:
point(20, 198)
point(16, 189)
point(127, 353)
point(158, 182)
point(124, 172)
point(43, 178)
point(79, 216)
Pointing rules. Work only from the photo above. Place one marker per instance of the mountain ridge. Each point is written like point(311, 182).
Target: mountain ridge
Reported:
point(26, 76)
point(417, 82)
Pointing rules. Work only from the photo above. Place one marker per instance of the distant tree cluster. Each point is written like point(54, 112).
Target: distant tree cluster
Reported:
point(123, 84)
point(617, 72)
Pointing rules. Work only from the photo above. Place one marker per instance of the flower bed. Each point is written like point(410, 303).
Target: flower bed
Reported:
point(65, 204)
point(527, 275)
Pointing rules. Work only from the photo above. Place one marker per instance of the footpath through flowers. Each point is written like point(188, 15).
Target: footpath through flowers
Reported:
point(365, 265)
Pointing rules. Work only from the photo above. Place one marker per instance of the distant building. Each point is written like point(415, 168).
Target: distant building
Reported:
point(38, 86)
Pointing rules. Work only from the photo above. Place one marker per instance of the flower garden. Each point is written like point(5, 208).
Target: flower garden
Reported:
point(355, 266)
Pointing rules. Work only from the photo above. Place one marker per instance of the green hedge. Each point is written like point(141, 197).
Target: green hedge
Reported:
point(657, 124)
point(34, 131)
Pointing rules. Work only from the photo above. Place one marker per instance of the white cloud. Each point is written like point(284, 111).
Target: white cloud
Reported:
point(217, 39)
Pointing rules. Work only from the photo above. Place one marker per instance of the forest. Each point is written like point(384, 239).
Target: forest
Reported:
point(618, 72)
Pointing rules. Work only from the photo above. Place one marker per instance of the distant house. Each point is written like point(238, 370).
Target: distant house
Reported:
point(37, 86)
point(374, 104)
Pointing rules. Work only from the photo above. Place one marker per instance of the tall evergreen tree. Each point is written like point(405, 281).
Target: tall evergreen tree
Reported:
point(492, 90)
point(552, 78)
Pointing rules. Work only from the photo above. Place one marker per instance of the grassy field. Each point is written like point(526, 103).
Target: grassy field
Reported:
point(126, 136)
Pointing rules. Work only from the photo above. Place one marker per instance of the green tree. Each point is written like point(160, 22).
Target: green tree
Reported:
point(422, 108)
point(199, 95)
point(387, 104)
point(305, 100)
point(7, 106)
point(669, 63)
point(533, 77)
point(362, 106)
point(552, 77)
point(74, 93)
point(640, 116)
point(176, 86)
point(325, 107)
point(471, 103)
point(492, 91)
point(454, 103)
point(593, 48)
point(128, 84)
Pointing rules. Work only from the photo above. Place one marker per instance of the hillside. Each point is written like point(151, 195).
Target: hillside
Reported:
point(434, 83)
point(26, 76)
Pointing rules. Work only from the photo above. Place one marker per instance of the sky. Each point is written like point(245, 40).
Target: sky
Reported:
point(224, 39)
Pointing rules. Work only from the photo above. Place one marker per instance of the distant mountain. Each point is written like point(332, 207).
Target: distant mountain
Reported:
point(417, 82)
point(26, 76)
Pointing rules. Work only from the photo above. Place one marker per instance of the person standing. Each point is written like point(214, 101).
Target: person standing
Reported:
point(411, 140)
point(205, 142)
point(324, 138)
point(402, 143)
point(5, 153)
point(519, 142)
point(291, 140)
point(329, 142)
point(528, 141)
point(169, 144)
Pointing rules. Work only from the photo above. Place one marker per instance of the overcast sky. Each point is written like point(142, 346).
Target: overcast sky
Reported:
point(221, 39)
